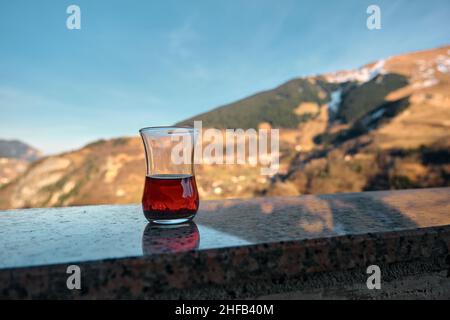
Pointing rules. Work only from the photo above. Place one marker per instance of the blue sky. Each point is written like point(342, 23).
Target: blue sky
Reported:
point(143, 63)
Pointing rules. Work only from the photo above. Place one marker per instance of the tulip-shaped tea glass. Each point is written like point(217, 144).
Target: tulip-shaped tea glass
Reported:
point(170, 192)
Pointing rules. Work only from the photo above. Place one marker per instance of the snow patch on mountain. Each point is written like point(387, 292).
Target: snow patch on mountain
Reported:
point(336, 97)
point(376, 70)
point(360, 75)
point(443, 64)
point(377, 114)
point(427, 83)
point(426, 75)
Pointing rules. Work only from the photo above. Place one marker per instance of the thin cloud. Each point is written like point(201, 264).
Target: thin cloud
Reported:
point(181, 40)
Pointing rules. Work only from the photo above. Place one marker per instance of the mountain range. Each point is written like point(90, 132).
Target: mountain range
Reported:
point(385, 125)
point(15, 157)
point(15, 149)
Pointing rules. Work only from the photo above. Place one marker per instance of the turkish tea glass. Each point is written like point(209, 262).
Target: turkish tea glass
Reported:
point(170, 192)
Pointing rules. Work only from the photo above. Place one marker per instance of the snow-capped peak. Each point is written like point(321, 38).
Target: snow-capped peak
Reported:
point(360, 75)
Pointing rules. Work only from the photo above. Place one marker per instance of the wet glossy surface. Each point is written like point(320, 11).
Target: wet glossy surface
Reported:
point(51, 236)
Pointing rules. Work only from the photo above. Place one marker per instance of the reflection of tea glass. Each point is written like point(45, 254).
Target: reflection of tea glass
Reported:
point(170, 192)
point(170, 238)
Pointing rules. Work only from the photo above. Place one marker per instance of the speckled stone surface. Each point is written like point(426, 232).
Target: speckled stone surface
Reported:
point(229, 242)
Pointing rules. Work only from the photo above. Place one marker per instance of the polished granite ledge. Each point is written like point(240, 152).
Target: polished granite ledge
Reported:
point(230, 242)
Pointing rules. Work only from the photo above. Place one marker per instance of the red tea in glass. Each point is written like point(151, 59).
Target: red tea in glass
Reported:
point(170, 196)
point(170, 193)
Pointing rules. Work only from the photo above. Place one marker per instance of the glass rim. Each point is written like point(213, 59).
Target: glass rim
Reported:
point(167, 128)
